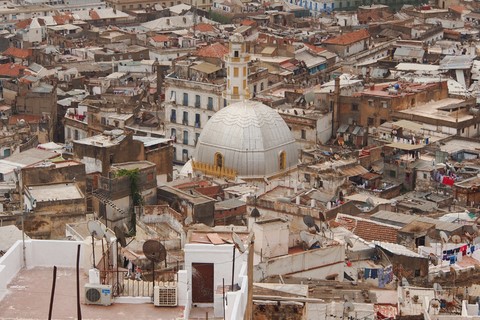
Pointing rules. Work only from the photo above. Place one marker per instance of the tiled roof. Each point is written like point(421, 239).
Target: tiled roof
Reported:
point(314, 48)
point(17, 53)
point(11, 69)
point(63, 19)
point(368, 230)
point(216, 50)
point(248, 22)
point(22, 24)
point(349, 38)
point(94, 15)
point(160, 38)
point(457, 8)
point(205, 27)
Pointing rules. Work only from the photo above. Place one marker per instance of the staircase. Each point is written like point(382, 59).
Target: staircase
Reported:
point(105, 200)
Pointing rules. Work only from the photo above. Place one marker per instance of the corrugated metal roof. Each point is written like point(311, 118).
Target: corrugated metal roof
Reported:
point(413, 126)
point(353, 171)
point(405, 146)
point(397, 249)
point(404, 219)
point(206, 67)
point(410, 53)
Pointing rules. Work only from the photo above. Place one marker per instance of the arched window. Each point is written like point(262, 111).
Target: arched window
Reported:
point(218, 160)
point(283, 160)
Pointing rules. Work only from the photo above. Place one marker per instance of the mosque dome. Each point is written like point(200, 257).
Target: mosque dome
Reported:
point(250, 138)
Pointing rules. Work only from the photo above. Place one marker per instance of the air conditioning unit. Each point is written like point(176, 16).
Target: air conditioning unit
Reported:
point(100, 294)
point(165, 295)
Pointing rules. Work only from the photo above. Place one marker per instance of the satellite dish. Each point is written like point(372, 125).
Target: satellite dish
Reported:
point(437, 287)
point(95, 229)
point(348, 307)
point(443, 237)
point(154, 251)
point(255, 213)
point(433, 259)
point(308, 220)
point(238, 242)
point(456, 239)
point(348, 241)
point(120, 235)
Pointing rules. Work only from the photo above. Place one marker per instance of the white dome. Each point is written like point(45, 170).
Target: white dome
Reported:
point(251, 139)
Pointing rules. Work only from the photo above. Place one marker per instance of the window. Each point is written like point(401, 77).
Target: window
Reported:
point(235, 90)
point(185, 118)
point(425, 176)
point(173, 116)
point(197, 120)
point(197, 136)
point(103, 121)
point(304, 134)
point(173, 135)
point(254, 88)
point(307, 177)
point(185, 137)
point(261, 86)
point(197, 101)
point(370, 121)
point(392, 173)
point(244, 71)
point(235, 72)
point(210, 103)
point(463, 130)
point(283, 160)
point(184, 155)
point(173, 96)
point(354, 106)
point(174, 154)
point(218, 161)
point(185, 99)
point(236, 54)
point(75, 134)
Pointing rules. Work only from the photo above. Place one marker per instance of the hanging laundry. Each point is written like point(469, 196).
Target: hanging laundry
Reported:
point(367, 273)
point(448, 181)
point(374, 274)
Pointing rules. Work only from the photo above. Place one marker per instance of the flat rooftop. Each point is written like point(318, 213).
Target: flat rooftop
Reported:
point(29, 298)
point(438, 110)
point(59, 191)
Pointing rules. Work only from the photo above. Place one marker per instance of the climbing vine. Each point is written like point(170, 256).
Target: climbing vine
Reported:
point(137, 199)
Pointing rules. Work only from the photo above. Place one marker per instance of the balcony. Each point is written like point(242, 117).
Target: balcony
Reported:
point(185, 122)
point(173, 119)
point(197, 125)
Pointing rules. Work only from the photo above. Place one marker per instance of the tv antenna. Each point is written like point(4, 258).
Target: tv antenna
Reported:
point(155, 252)
point(95, 229)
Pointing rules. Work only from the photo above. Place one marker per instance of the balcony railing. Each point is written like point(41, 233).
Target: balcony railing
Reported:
point(212, 170)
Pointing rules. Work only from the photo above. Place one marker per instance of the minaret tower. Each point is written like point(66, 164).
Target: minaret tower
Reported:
point(236, 62)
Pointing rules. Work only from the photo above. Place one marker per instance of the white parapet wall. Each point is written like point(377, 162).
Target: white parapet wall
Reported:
point(38, 253)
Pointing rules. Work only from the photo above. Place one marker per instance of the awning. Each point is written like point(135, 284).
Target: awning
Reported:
point(206, 67)
point(405, 146)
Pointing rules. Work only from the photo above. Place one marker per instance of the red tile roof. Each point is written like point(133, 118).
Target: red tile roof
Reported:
point(314, 48)
point(22, 24)
point(248, 22)
point(457, 8)
point(17, 53)
point(349, 38)
point(205, 27)
point(160, 38)
point(63, 19)
point(11, 69)
point(216, 50)
point(94, 15)
point(369, 230)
